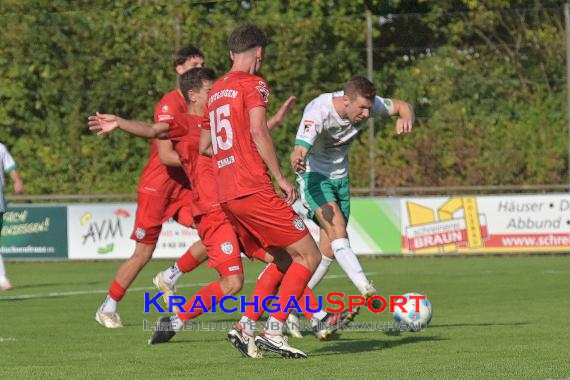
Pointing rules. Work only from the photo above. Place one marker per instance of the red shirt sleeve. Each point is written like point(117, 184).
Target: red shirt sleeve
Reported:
point(163, 112)
point(256, 94)
point(176, 129)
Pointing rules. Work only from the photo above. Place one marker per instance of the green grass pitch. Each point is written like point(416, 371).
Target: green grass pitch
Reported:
point(494, 317)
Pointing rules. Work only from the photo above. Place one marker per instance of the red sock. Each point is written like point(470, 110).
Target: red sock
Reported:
point(267, 285)
point(313, 303)
point(116, 291)
point(294, 283)
point(187, 262)
point(206, 293)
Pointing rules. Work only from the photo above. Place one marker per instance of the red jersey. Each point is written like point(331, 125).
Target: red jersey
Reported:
point(239, 168)
point(185, 132)
point(156, 178)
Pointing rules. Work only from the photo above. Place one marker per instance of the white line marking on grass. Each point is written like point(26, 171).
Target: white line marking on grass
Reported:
point(550, 271)
point(104, 291)
point(7, 339)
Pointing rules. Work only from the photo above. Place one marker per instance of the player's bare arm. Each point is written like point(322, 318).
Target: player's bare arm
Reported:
point(283, 111)
point(205, 143)
point(168, 156)
point(298, 157)
point(406, 115)
point(264, 143)
point(18, 183)
point(106, 123)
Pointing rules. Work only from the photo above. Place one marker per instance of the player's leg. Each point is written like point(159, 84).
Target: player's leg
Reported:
point(166, 280)
point(221, 242)
point(333, 217)
point(332, 220)
point(4, 282)
point(274, 224)
point(223, 251)
point(267, 285)
point(205, 298)
point(229, 283)
point(107, 314)
point(328, 202)
point(326, 260)
point(305, 258)
point(148, 224)
point(316, 190)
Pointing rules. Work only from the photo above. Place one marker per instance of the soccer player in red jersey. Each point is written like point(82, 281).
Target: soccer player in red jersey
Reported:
point(163, 193)
point(212, 223)
point(244, 155)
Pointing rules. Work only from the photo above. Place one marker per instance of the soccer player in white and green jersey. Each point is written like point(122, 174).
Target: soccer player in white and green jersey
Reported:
point(329, 125)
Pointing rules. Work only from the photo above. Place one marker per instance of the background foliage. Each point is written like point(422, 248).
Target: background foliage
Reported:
point(487, 80)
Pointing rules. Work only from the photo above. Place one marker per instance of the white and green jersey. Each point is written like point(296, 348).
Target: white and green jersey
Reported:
point(7, 164)
point(329, 137)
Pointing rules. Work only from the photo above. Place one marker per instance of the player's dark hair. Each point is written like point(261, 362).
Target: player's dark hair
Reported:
point(194, 79)
point(359, 85)
point(246, 37)
point(186, 53)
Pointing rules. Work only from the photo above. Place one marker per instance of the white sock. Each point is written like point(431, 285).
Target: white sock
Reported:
point(2, 270)
point(109, 306)
point(176, 323)
point(320, 272)
point(349, 263)
point(247, 325)
point(274, 326)
point(318, 317)
point(172, 274)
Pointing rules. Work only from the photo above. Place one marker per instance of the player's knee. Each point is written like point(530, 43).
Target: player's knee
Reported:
point(199, 251)
point(313, 261)
point(231, 285)
point(143, 253)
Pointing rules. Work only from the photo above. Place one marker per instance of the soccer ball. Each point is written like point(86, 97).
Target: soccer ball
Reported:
point(412, 320)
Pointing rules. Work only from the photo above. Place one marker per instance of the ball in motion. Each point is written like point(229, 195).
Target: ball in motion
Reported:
point(413, 320)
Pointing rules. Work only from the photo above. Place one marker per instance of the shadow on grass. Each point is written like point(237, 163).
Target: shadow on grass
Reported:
point(197, 340)
point(367, 345)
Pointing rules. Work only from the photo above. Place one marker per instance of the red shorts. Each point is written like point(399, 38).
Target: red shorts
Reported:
point(264, 220)
point(153, 211)
point(219, 237)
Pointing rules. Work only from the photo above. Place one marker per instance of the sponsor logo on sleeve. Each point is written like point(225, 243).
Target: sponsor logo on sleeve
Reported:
point(307, 126)
point(263, 91)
